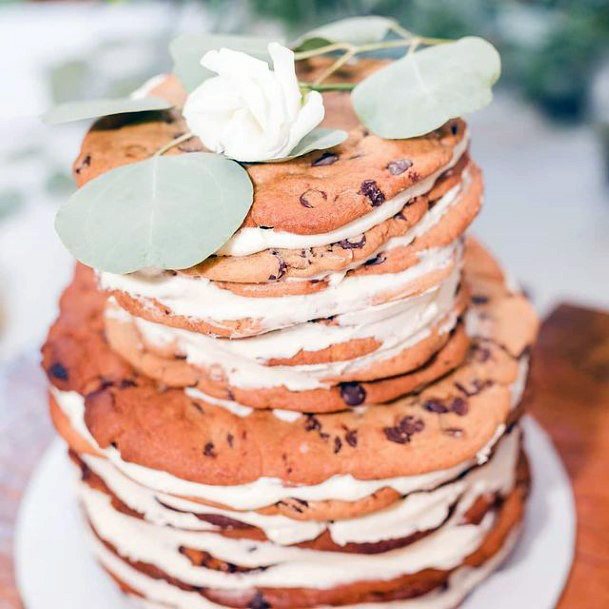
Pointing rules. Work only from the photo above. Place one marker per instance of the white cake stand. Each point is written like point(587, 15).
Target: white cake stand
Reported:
point(56, 571)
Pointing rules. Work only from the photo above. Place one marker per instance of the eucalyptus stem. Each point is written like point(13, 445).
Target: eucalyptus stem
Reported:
point(176, 142)
point(329, 48)
point(331, 86)
point(408, 40)
point(396, 28)
point(341, 61)
point(413, 47)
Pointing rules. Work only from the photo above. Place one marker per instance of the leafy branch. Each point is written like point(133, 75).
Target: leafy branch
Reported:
point(173, 143)
point(349, 49)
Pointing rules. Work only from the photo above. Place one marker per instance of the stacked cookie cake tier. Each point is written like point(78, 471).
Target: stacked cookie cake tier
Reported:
point(325, 412)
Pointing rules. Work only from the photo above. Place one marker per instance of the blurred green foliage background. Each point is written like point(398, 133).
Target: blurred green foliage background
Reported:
point(551, 48)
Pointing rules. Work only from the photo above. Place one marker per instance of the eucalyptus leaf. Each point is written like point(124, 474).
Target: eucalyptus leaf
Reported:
point(420, 92)
point(188, 49)
point(80, 110)
point(354, 30)
point(318, 139)
point(168, 212)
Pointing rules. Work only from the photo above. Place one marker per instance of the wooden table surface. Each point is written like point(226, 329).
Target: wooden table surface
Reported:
point(570, 397)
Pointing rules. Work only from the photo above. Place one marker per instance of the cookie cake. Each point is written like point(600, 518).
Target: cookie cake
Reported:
point(286, 376)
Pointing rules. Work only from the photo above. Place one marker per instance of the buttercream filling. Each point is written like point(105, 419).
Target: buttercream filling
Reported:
point(418, 511)
point(273, 565)
point(201, 298)
point(243, 361)
point(460, 583)
point(388, 323)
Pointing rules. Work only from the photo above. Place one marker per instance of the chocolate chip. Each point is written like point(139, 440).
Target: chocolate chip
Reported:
point(311, 197)
point(454, 128)
point(353, 245)
point(312, 423)
point(479, 299)
point(379, 259)
point(209, 450)
point(353, 394)
point(476, 386)
point(295, 504)
point(482, 354)
point(459, 406)
point(86, 162)
point(455, 432)
point(281, 270)
point(415, 176)
point(59, 372)
point(216, 519)
point(398, 167)
point(338, 444)
point(435, 406)
point(229, 439)
point(370, 189)
point(404, 430)
point(351, 437)
point(327, 158)
point(197, 407)
point(126, 383)
point(258, 602)
point(104, 384)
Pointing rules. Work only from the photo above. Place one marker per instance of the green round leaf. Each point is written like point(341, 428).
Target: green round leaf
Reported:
point(188, 49)
point(168, 212)
point(354, 30)
point(87, 109)
point(318, 139)
point(421, 91)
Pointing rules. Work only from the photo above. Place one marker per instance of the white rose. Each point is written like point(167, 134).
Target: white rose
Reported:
point(250, 112)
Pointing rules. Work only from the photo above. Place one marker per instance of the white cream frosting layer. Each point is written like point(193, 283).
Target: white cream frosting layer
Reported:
point(250, 240)
point(460, 584)
point(200, 298)
point(242, 362)
point(263, 491)
point(418, 511)
point(274, 565)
